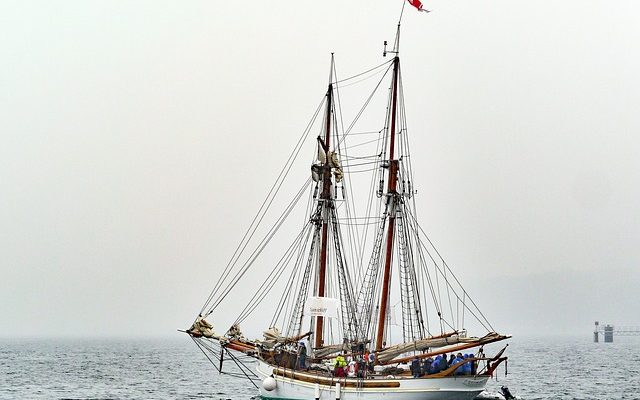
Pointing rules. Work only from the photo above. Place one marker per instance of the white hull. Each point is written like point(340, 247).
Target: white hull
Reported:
point(450, 388)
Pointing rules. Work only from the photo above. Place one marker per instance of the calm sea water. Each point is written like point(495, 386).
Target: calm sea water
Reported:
point(542, 368)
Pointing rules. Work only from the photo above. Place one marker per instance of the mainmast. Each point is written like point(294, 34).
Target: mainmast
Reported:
point(326, 204)
point(391, 200)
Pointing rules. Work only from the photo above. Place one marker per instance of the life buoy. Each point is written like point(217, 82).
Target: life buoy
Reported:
point(352, 369)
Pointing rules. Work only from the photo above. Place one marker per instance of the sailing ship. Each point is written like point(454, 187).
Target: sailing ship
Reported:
point(340, 282)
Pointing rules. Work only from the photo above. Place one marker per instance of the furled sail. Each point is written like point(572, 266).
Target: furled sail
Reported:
point(235, 333)
point(392, 352)
point(201, 327)
point(335, 164)
point(322, 155)
point(330, 350)
point(272, 337)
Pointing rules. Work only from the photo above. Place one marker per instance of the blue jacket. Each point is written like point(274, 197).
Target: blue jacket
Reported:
point(466, 368)
point(435, 365)
point(459, 370)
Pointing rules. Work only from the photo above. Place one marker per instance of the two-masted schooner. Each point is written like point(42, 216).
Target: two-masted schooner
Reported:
point(364, 305)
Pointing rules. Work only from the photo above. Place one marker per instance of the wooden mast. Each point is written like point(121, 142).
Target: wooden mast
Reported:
point(391, 193)
point(326, 204)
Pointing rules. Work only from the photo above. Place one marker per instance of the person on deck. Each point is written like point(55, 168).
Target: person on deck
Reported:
point(451, 358)
point(338, 369)
point(361, 364)
point(416, 370)
point(443, 363)
point(474, 365)
point(466, 368)
point(426, 366)
point(435, 365)
point(371, 362)
point(302, 356)
point(460, 369)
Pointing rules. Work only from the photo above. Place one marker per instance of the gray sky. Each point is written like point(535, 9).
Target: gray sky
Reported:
point(139, 137)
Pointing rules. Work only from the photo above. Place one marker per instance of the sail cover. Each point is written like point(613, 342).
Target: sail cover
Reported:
point(322, 307)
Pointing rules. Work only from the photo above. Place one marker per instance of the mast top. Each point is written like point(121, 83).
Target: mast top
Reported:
point(396, 44)
point(331, 68)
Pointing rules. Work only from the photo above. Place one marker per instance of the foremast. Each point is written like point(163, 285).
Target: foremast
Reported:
point(327, 204)
point(332, 278)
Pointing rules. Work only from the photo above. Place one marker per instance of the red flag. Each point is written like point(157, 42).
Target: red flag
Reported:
point(417, 4)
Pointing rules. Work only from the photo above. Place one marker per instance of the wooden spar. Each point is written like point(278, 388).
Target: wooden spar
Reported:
point(444, 335)
point(326, 198)
point(221, 359)
point(462, 346)
point(240, 346)
point(331, 380)
point(393, 171)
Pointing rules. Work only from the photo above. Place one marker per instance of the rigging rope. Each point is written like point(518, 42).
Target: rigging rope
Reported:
point(264, 207)
point(482, 321)
point(362, 73)
point(254, 255)
point(270, 281)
